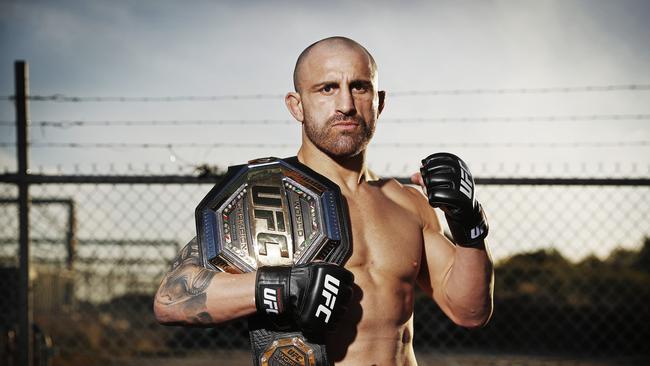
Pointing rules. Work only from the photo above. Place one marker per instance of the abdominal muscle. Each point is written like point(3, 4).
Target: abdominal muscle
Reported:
point(378, 327)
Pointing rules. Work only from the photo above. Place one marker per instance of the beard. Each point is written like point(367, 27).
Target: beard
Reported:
point(340, 143)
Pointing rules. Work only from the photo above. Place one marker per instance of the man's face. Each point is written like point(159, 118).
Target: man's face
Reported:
point(339, 98)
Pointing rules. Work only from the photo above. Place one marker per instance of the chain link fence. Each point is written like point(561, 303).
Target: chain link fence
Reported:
point(572, 275)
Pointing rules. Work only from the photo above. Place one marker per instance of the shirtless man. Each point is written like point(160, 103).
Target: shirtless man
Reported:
point(397, 240)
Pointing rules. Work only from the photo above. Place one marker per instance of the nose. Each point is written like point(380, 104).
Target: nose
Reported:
point(345, 102)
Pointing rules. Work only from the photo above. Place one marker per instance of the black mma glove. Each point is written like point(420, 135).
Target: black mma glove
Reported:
point(450, 186)
point(314, 295)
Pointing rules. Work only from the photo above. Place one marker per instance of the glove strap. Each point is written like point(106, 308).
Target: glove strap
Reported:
point(471, 232)
point(272, 292)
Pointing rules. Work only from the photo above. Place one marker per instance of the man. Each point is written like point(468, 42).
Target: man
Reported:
point(397, 240)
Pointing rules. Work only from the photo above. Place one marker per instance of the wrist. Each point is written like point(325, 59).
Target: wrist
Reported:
point(272, 290)
point(468, 229)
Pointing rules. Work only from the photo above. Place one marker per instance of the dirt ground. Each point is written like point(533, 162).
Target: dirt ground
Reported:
point(243, 358)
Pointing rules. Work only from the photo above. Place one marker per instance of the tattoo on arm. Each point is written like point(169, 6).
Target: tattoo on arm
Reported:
point(188, 255)
point(183, 288)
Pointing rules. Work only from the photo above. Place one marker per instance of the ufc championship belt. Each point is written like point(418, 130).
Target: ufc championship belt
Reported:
point(273, 212)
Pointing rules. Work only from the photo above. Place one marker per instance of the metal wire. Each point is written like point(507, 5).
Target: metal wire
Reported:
point(506, 144)
point(61, 98)
point(570, 273)
point(404, 120)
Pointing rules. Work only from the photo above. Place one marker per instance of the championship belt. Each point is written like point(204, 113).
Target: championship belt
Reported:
point(273, 212)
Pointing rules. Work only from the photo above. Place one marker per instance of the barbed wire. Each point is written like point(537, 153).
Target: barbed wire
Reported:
point(406, 120)
point(145, 145)
point(81, 123)
point(542, 90)
point(589, 167)
point(61, 98)
point(405, 93)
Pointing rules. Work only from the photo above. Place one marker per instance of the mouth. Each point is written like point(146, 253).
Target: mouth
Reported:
point(346, 125)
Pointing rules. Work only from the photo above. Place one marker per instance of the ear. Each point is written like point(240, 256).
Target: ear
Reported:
point(294, 104)
point(382, 98)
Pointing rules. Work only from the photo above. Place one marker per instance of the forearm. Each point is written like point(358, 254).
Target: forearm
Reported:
point(232, 296)
point(466, 291)
point(192, 295)
point(468, 286)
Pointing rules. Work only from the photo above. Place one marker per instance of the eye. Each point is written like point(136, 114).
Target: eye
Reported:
point(328, 89)
point(359, 89)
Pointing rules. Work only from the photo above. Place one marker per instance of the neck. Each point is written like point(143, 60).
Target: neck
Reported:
point(348, 172)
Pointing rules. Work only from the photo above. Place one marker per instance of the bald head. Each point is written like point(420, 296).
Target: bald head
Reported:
point(331, 43)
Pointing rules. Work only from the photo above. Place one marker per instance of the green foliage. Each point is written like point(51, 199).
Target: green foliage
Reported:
point(538, 276)
point(546, 303)
point(545, 276)
point(643, 259)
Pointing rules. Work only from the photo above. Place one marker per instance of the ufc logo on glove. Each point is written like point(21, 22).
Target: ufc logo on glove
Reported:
point(271, 300)
point(329, 293)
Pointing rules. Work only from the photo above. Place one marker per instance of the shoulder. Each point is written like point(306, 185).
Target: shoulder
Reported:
point(401, 192)
point(411, 197)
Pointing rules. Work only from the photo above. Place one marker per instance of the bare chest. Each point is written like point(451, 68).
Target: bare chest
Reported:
point(386, 237)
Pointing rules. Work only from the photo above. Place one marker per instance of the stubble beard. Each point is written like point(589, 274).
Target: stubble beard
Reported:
point(339, 143)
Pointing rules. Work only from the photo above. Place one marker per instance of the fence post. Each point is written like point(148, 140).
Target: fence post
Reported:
point(25, 346)
point(71, 239)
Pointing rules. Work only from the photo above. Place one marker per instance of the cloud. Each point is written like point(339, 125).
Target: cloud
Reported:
point(210, 48)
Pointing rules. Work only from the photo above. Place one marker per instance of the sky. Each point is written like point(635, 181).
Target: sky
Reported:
point(209, 48)
point(467, 77)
